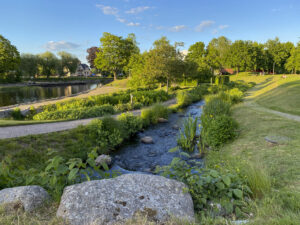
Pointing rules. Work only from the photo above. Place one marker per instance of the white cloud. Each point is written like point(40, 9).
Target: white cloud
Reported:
point(121, 20)
point(60, 45)
point(137, 10)
point(108, 10)
point(131, 24)
point(178, 28)
point(222, 27)
point(203, 25)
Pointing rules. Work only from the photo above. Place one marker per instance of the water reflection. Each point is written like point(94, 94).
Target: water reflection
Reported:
point(16, 95)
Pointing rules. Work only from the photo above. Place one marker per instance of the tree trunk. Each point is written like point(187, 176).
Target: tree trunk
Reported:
point(273, 68)
point(115, 75)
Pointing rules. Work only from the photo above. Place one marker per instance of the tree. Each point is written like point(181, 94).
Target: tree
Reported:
point(92, 54)
point(279, 53)
point(217, 52)
point(196, 66)
point(163, 63)
point(114, 53)
point(293, 62)
point(9, 57)
point(29, 65)
point(67, 63)
point(47, 64)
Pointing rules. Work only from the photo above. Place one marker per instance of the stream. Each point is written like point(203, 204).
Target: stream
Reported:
point(136, 156)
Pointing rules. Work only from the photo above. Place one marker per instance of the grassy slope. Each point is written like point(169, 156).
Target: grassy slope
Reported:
point(281, 162)
point(275, 92)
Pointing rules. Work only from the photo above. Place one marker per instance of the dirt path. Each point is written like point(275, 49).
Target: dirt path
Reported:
point(24, 130)
point(260, 108)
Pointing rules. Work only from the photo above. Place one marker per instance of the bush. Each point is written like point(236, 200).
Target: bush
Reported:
point(107, 132)
point(130, 124)
point(216, 106)
point(151, 115)
point(236, 95)
point(72, 114)
point(183, 98)
point(217, 130)
point(209, 187)
point(16, 114)
point(31, 113)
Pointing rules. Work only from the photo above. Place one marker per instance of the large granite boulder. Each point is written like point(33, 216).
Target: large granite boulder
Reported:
point(30, 197)
point(112, 200)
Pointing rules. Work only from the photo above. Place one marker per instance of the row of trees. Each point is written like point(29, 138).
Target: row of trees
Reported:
point(48, 64)
point(14, 65)
point(164, 63)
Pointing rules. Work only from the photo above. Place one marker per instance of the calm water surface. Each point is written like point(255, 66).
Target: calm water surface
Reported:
point(16, 95)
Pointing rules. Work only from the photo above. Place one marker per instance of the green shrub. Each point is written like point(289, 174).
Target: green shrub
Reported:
point(216, 106)
point(183, 98)
point(72, 114)
point(107, 132)
point(151, 115)
point(31, 113)
point(209, 186)
point(130, 124)
point(187, 137)
point(217, 130)
point(16, 114)
point(236, 95)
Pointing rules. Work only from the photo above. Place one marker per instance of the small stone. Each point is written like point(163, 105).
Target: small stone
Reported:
point(162, 120)
point(175, 127)
point(147, 140)
point(103, 159)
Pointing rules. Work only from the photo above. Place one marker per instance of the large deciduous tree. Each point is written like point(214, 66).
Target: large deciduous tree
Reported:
point(293, 62)
point(114, 53)
point(196, 65)
point(29, 65)
point(67, 63)
point(9, 57)
point(47, 64)
point(92, 54)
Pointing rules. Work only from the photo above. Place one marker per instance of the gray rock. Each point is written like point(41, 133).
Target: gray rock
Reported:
point(29, 196)
point(147, 140)
point(103, 159)
point(162, 120)
point(114, 200)
point(175, 127)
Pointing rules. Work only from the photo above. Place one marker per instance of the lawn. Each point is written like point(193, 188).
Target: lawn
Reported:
point(280, 161)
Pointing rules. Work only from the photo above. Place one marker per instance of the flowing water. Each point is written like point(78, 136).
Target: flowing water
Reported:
point(26, 94)
point(139, 157)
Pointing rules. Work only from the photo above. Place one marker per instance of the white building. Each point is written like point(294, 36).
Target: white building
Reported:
point(83, 70)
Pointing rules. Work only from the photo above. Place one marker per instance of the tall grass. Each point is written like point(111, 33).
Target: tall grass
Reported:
point(187, 136)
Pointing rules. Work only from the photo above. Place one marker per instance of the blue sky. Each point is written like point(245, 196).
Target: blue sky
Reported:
point(35, 26)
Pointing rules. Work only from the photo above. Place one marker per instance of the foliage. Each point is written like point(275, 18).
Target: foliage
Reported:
point(215, 105)
point(209, 187)
point(217, 130)
point(293, 62)
point(187, 137)
point(235, 95)
point(114, 53)
point(9, 57)
point(47, 64)
point(92, 54)
point(16, 114)
point(76, 113)
point(29, 65)
point(183, 98)
point(67, 63)
point(151, 115)
point(130, 124)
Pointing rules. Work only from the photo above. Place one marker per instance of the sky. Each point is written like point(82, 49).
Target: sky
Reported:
point(36, 26)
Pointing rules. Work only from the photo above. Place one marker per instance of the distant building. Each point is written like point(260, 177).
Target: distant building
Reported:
point(83, 70)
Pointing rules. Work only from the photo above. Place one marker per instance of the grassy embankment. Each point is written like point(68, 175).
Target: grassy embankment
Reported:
point(279, 162)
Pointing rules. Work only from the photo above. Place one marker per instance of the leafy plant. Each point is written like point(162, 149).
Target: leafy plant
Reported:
point(216, 106)
point(16, 114)
point(130, 124)
point(187, 136)
point(151, 115)
point(209, 186)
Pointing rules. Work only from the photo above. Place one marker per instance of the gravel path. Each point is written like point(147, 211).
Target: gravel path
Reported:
point(24, 130)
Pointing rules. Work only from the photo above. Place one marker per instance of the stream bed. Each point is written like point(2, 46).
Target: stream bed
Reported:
point(136, 156)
